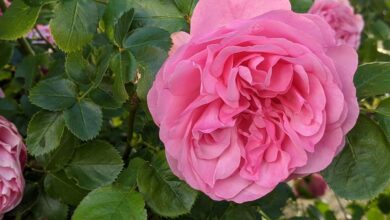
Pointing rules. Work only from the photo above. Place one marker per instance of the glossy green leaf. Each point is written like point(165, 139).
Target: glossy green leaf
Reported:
point(122, 27)
point(74, 24)
point(128, 177)
point(49, 209)
point(111, 202)
point(76, 67)
point(54, 94)
point(163, 192)
point(150, 61)
point(44, 132)
point(273, 203)
point(104, 98)
point(148, 36)
point(301, 6)
point(114, 11)
point(357, 173)
point(59, 157)
point(18, 20)
point(28, 69)
point(84, 119)
point(6, 52)
point(382, 114)
point(373, 79)
point(124, 66)
point(95, 164)
point(186, 6)
point(160, 13)
point(59, 186)
point(8, 107)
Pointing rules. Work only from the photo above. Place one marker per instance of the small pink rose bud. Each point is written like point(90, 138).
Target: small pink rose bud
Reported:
point(310, 187)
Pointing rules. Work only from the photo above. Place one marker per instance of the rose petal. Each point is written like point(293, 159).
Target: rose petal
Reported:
point(211, 14)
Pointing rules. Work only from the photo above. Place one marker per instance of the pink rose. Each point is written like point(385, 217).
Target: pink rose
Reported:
point(310, 187)
point(44, 34)
point(12, 160)
point(340, 15)
point(248, 101)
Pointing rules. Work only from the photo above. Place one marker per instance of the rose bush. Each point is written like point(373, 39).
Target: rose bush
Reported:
point(341, 17)
point(13, 157)
point(253, 98)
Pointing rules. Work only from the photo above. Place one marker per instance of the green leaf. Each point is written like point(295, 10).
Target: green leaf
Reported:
point(357, 173)
point(206, 208)
point(76, 67)
point(241, 212)
point(57, 159)
point(111, 202)
point(128, 177)
point(186, 6)
point(373, 79)
point(122, 27)
point(381, 30)
point(103, 98)
point(44, 132)
point(382, 114)
point(160, 13)
point(18, 20)
point(6, 52)
point(8, 107)
point(148, 36)
point(274, 203)
point(103, 57)
point(74, 24)
point(84, 119)
point(115, 10)
point(301, 6)
point(95, 164)
point(124, 66)
point(150, 61)
point(163, 192)
point(54, 94)
point(28, 69)
point(59, 186)
point(49, 209)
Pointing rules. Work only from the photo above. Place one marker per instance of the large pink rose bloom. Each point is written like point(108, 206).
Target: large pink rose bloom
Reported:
point(12, 160)
point(340, 15)
point(247, 101)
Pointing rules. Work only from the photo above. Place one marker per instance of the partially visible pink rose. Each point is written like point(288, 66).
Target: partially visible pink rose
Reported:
point(341, 17)
point(12, 160)
point(245, 101)
point(44, 31)
point(310, 187)
point(7, 3)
